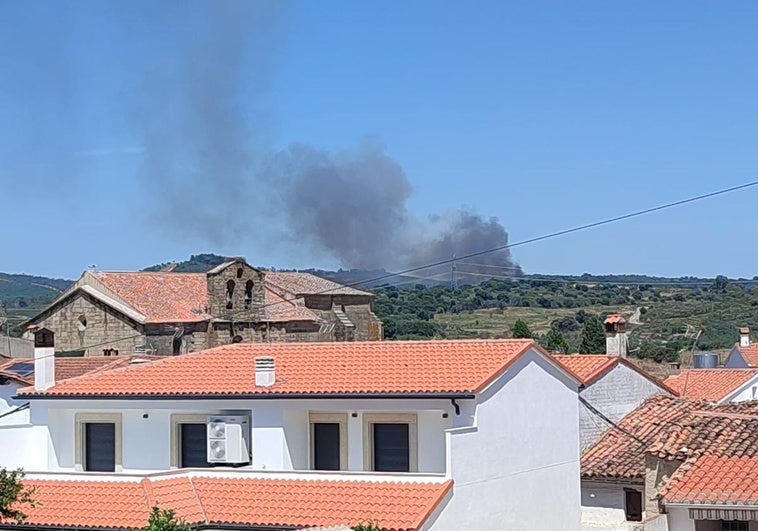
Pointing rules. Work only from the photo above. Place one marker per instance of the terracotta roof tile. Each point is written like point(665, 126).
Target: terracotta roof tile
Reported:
point(160, 297)
point(280, 310)
point(398, 506)
point(616, 455)
point(614, 318)
point(709, 384)
point(750, 354)
point(715, 480)
point(307, 284)
point(587, 366)
point(393, 505)
point(166, 297)
point(671, 428)
point(445, 366)
point(67, 368)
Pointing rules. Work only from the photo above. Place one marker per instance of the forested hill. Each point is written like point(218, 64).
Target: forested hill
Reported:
point(667, 314)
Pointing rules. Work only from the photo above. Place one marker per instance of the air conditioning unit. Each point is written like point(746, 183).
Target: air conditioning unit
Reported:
point(228, 439)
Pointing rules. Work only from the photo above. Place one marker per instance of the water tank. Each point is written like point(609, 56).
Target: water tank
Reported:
point(705, 360)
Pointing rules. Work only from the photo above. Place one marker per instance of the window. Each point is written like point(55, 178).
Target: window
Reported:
point(328, 433)
point(248, 294)
point(229, 294)
point(188, 441)
point(98, 442)
point(390, 442)
point(734, 526)
point(633, 499)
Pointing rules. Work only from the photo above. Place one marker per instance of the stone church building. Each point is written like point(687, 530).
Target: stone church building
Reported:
point(168, 313)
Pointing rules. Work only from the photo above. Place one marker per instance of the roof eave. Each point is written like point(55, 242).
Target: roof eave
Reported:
point(458, 395)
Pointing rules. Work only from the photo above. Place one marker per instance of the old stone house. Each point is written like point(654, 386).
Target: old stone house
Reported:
point(174, 313)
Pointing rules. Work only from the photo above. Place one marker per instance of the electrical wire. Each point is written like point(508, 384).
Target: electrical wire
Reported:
point(528, 241)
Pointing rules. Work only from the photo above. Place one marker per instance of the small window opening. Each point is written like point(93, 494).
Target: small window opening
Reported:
point(633, 505)
point(229, 294)
point(176, 345)
point(239, 272)
point(248, 294)
point(237, 339)
point(82, 324)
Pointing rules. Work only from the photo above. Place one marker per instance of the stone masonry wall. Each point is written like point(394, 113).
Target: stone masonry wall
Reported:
point(615, 395)
point(84, 321)
point(358, 310)
point(240, 306)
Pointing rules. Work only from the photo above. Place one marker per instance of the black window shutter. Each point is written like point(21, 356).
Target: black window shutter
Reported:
point(100, 446)
point(193, 446)
point(392, 448)
point(326, 446)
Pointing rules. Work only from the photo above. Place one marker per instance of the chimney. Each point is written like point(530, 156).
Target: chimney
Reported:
point(616, 340)
point(265, 375)
point(744, 336)
point(44, 359)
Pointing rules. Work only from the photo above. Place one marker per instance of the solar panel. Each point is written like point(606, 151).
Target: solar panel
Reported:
point(22, 368)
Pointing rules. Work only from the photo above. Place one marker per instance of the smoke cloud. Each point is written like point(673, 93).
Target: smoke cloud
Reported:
point(209, 168)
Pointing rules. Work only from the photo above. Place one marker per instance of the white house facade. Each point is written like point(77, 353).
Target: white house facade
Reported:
point(476, 434)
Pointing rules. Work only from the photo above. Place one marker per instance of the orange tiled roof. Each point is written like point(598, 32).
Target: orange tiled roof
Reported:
point(307, 284)
point(588, 367)
point(370, 367)
point(614, 318)
point(750, 354)
point(715, 480)
point(709, 384)
point(167, 297)
point(160, 297)
point(671, 428)
point(66, 368)
point(719, 448)
point(279, 309)
point(397, 506)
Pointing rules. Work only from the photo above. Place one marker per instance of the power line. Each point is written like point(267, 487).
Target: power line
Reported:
point(536, 239)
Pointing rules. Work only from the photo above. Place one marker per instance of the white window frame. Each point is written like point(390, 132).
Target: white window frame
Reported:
point(328, 418)
point(177, 419)
point(369, 419)
point(80, 420)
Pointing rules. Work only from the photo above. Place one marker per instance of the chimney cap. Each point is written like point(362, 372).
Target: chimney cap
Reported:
point(265, 374)
point(613, 318)
point(744, 330)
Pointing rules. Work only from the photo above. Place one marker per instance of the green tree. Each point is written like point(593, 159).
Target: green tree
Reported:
point(520, 330)
point(166, 520)
point(12, 493)
point(593, 336)
point(555, 342)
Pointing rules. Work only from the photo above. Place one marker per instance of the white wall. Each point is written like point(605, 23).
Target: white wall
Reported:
point(749, 391)
point(615, 395)
point(279, 429)
point(23, 447)
point(518, 468)
point(603, 507)
point(7, 403)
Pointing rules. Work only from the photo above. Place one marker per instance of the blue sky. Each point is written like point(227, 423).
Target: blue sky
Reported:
point(544, 114)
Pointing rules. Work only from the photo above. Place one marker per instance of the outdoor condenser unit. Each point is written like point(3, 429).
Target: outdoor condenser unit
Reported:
point(228, 439)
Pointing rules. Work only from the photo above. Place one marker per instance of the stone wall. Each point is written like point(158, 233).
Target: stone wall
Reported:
point(84, 323)
point(358, 310)
point(236, 293)
point(615, 395)
point(180, 338)
point(657, 473)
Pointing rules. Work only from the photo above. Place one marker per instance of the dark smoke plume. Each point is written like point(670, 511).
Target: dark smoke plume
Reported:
point(210, 173)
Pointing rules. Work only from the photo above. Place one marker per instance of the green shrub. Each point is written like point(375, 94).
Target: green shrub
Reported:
point(13, 493)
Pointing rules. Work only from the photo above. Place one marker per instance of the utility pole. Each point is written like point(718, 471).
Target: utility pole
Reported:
point(453, 280)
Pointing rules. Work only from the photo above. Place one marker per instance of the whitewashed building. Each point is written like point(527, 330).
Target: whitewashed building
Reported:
point(433, 435)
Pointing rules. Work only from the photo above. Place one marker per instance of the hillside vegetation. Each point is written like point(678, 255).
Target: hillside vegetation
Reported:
point(664, 319)
point(666, 315)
